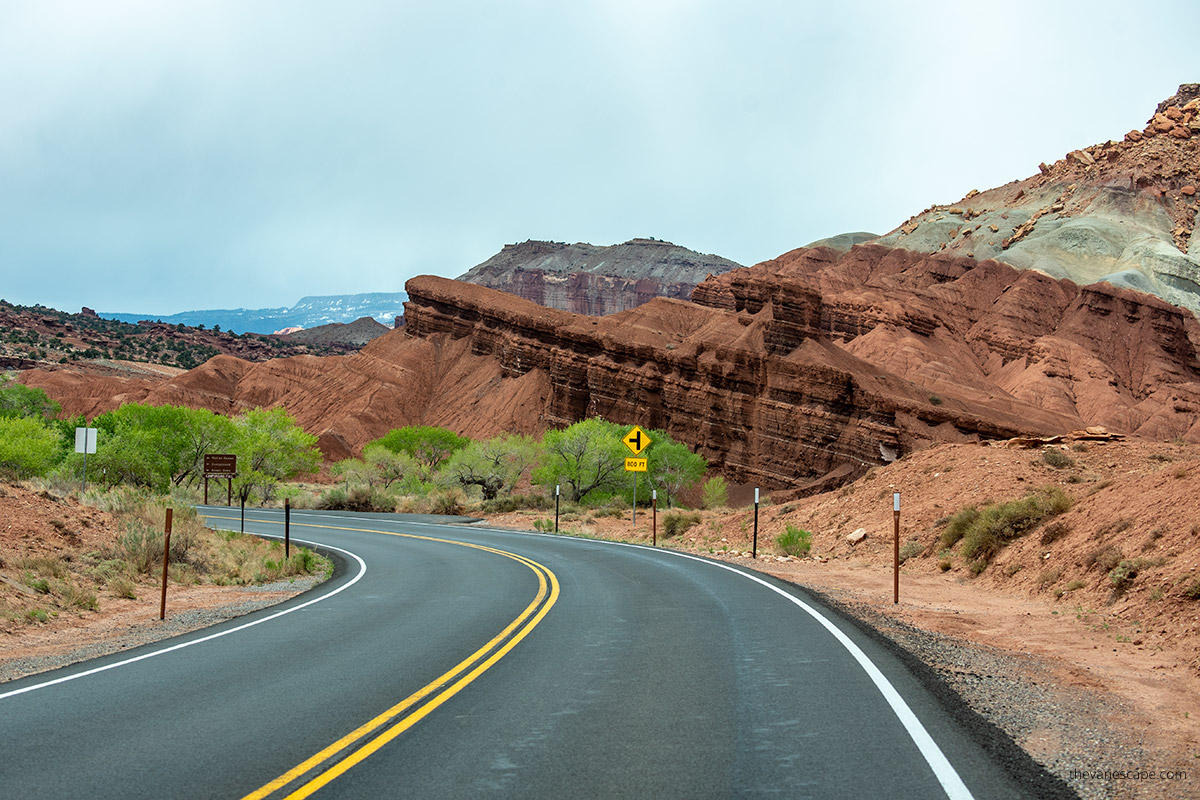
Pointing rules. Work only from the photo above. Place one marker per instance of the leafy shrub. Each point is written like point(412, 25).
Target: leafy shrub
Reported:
point(794, 541)
point(678, 522)
point(945, 564)
point(715, 493)
point(544, 525)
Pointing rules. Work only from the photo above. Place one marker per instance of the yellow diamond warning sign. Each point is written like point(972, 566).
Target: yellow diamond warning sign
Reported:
point(636, 440)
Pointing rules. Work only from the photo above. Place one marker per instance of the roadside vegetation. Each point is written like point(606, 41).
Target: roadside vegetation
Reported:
point(984, 531)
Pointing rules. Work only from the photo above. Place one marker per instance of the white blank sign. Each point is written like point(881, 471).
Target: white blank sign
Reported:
point(85, 440)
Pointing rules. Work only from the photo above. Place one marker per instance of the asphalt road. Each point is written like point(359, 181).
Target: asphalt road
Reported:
point(448, 661)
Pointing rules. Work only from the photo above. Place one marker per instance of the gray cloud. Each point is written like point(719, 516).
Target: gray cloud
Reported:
point(159, 156)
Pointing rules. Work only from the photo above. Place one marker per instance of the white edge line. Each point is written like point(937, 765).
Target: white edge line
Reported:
point(943, 770)
point(361, 571)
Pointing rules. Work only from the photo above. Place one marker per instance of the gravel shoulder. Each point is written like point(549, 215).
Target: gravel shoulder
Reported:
point(127, 624)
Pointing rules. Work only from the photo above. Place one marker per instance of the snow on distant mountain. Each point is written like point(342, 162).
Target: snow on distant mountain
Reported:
point(384, 307)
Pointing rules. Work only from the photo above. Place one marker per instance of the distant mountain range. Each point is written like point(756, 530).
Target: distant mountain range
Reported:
point(310, 312)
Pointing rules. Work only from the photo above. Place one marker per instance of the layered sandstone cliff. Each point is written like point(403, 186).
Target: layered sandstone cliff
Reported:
point(801, 371)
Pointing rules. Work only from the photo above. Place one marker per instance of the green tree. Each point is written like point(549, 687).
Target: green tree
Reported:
point(28, 446)
point(672, 466)
point(585, 457)
point(270, 447)
point(715, 493)
point(142, 445)
point(427, 444)
point(388, 467)
point(19, 400)
point(494, 465)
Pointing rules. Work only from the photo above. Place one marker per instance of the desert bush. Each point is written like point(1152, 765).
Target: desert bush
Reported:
point(999, 523)
point(544, 525)
point(141, 545)
point(1049, 577)
point(123, 587)
point(794, 541)
point(945, 564)
point(1075, 584)
point(1055, 531)
point(957, 525)
point(1124, 573)
point(1104, 558)
point(514, 502)
point(450, 502)
point(1057, 459)
point(715, 493)
point(1192, 592)
point(357, 498)
point(910, 550)
point(1013, 569)
point(678, 522)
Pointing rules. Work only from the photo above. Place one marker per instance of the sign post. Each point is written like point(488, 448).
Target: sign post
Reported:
point(162, 609)
point(556, 488)
point(220, 465)
point(654, 511)
point(637, 441)
point(895, 548)
point(85, 442)
point(754, 547)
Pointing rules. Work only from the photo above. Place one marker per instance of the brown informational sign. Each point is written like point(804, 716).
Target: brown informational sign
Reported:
point(220, 466)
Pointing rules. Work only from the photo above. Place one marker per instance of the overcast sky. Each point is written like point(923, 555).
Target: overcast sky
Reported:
point(162, 156)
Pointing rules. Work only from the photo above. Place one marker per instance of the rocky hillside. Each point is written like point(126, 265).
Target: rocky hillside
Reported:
point(590, 279)
point(1123, 211)
point(36, 336)
point(353, 334)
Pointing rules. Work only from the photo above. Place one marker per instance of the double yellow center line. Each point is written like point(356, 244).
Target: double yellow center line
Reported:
point(322, 767)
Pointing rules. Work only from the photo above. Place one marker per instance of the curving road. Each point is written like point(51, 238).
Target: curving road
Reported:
point(449, 661)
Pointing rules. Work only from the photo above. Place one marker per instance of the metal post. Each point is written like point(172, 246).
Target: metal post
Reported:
point(287, 528)
point(229, 491)
point(556, 487)
point(635, 499)
point(162, 610)
point(243, 514)
point(895, 548)
point(654, 524)
point(206, 488)
point(84, 461)
point(754, 548)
